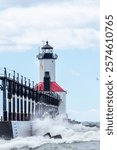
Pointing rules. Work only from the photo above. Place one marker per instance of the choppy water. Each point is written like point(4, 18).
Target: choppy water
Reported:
point(92, 145)
point(74, 137)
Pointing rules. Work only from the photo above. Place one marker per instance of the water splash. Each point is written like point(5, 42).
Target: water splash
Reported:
point(70, 133)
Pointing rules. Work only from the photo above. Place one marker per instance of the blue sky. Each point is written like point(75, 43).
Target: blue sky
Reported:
point(72, 28)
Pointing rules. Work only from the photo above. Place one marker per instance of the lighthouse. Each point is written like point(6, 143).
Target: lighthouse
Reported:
point(47, 72)
point(21, 101)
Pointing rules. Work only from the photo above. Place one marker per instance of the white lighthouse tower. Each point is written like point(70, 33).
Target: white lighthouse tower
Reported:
point(47, 68)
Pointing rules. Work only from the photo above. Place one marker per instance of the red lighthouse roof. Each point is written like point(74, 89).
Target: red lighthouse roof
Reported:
point(54, 87)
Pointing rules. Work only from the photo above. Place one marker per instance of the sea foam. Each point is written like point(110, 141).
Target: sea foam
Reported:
point(70, 133)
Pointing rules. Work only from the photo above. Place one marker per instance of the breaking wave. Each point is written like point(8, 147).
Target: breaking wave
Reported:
point(70, 133)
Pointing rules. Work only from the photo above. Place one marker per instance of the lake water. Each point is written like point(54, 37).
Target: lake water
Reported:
point(74, 137)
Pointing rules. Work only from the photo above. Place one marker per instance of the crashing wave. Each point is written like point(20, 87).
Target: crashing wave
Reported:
point(70, 133)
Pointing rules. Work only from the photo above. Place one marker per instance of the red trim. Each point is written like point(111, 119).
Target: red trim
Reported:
point(54, 87)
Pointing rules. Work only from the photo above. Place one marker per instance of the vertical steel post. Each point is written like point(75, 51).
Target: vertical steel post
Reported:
point(5, 111)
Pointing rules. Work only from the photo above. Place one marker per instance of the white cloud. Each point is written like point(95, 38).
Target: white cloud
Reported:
point(66, 26)
point(26, 3)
